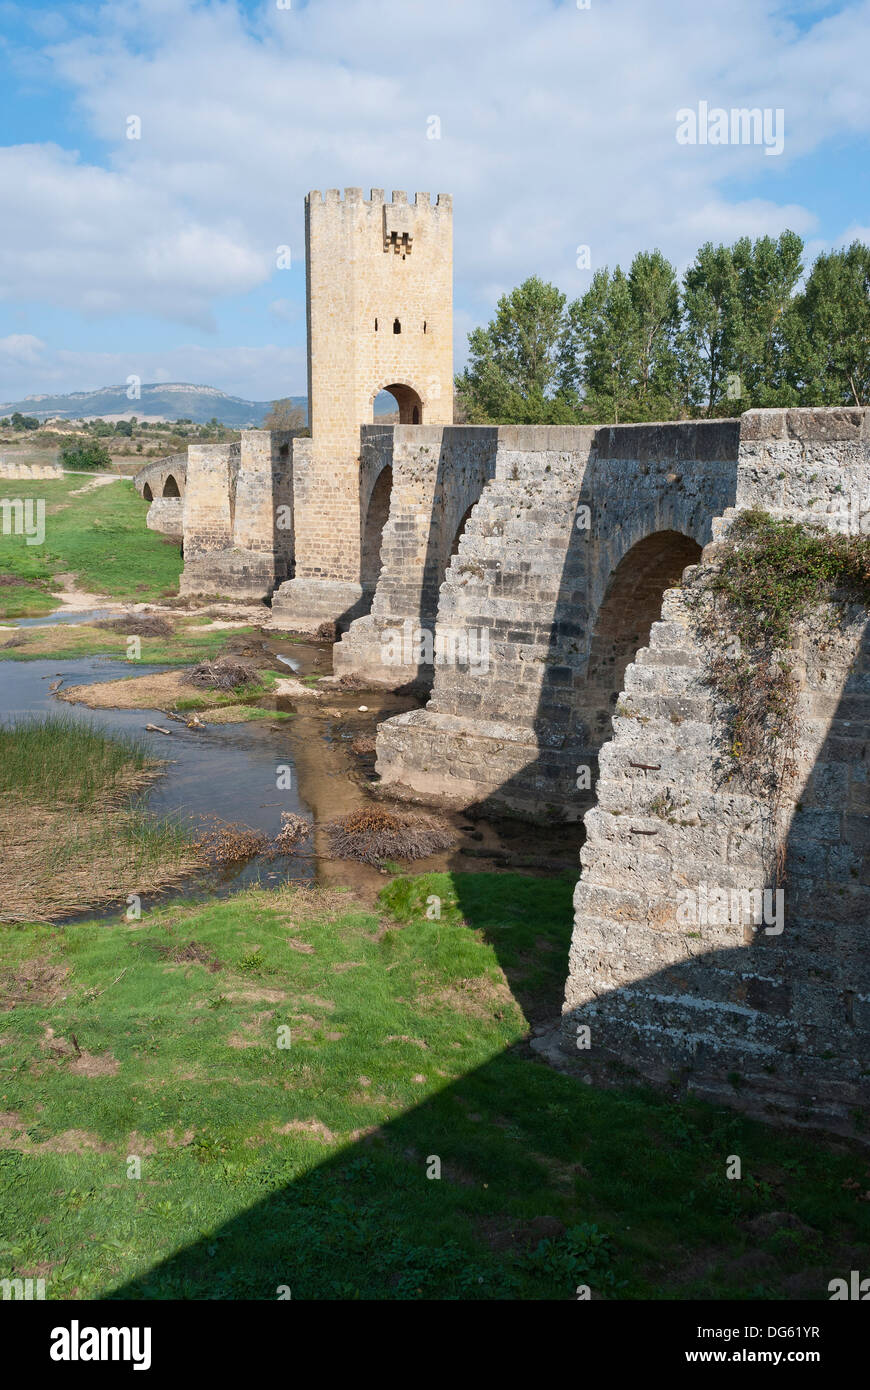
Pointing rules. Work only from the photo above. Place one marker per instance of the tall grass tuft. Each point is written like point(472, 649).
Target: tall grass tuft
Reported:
point(56, 759)
point(69, 838)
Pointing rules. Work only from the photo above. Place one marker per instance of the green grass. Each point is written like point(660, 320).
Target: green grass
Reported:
point(53, 758)
point(70, 839)
point(306, 1166)
point(24, 600)
point(99, 536)
point(66, 641)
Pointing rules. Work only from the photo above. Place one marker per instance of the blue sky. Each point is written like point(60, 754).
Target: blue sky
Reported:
point(157, 256)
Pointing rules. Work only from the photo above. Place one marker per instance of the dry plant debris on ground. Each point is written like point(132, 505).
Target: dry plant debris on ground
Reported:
point(373, 834)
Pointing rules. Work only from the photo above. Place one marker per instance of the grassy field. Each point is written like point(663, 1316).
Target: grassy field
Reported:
point(100, 536)
point(192, 640)
point(157, 1140)
point(69, 839)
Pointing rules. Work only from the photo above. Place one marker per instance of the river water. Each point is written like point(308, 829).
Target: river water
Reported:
point(231, 772)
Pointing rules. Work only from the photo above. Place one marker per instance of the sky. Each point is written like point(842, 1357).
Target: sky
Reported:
point(556, 125)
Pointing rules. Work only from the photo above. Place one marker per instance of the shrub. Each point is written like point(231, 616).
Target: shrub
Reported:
point(85, 454)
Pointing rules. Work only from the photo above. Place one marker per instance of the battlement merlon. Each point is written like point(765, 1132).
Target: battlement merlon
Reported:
point(396, 224)
point(354, 196)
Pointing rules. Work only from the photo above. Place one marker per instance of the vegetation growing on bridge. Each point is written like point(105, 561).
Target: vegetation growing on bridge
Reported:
point(766, 576)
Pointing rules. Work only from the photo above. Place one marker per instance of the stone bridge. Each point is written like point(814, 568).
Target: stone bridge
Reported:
point(522, 567)
point(525, 578)
point(163, 484)
point(569, 677)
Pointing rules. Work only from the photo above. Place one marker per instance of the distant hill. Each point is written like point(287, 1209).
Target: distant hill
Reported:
point(170, 401)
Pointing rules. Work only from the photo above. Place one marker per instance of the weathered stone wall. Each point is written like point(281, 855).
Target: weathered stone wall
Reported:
point(373, 264)
point(238, 515)
point(166, 515)
point(13, 468)
point(437, 475)
point(779, 1020)
point(566, 505)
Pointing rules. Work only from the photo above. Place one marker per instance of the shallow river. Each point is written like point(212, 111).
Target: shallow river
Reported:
point(231, 771)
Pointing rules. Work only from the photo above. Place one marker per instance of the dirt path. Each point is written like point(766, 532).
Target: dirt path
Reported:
point(97, 482)
point(76, 600)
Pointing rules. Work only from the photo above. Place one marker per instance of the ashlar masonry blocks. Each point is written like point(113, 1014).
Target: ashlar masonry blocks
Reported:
point(380, 317)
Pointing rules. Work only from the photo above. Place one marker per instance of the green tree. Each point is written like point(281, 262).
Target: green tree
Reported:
point(516, 368)
point(768, 272)
point(624, 342)
point(711, 330)
point(832, 345)
point(604, 346)
point(284, 414)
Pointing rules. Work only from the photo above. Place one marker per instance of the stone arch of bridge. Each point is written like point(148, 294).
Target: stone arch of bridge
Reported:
point(459, 530)
point(631, 602)
point(376, 510)
point(170, 486)
point(609, 545)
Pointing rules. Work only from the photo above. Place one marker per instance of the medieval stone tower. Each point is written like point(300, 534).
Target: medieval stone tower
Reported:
point(380, 314)
point(380, 317)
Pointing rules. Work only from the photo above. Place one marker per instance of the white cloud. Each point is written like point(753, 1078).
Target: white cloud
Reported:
point(20, 349)
point(85, 238)
point(558, 128)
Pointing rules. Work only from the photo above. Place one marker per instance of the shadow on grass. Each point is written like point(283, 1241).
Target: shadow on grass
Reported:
point(514, 1180)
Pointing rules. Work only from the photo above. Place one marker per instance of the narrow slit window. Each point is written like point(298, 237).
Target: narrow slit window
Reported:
point(397, 327)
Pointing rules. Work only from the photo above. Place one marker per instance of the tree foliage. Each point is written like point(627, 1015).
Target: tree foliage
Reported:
point(739, 331)
point(84, 453)
point(285, 415)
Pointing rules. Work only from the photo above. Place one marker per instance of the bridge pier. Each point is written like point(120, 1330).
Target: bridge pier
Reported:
point(768, 1016)
point(238, 516)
